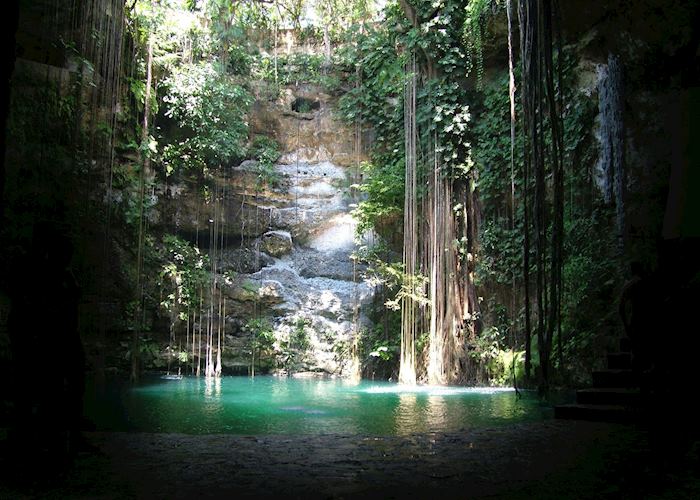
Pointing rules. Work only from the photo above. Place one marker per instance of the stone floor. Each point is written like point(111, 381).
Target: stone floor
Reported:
point(552, 459)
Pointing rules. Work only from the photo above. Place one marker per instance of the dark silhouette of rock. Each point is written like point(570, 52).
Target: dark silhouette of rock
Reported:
point(48, 357)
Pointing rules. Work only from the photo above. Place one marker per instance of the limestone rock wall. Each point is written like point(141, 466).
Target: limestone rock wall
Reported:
point(287, 256)
point(310, 133)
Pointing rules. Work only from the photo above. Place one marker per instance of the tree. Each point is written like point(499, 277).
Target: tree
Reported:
point(261, 342)
point(429, 142)
point(448, 207)
point(209, 110)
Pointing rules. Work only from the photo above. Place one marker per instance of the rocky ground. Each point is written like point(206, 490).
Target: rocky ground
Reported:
point(552, 459)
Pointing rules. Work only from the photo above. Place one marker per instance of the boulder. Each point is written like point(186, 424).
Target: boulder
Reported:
point(276, 243)
point(246, 291)
point(271, 292)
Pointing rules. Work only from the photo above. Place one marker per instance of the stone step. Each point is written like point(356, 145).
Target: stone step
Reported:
point(625, 396)
point(625, 344)
point(600, 413)
point(615, 378)
point(619, 360)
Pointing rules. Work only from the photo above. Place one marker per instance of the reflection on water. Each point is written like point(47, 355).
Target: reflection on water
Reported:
point(213, 405)
point(505, 407)
point(437, 412)
point(433, 390)
point(280, 391)
point(275, 405)
point(212, 388)
point(405, 415)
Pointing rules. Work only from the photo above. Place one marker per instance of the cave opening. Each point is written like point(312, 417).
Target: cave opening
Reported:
point(305, 105)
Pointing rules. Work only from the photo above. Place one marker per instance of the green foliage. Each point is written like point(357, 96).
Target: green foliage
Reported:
point(590, 275)
point(392, 276)
point(410, 286)
point(379, 349)
point(300, 68)
point(230, 28)
point(176, 35)
point(263, 335)
point(473, 32)
point(240, 60)
point(250, 286)
point(183, 270)
point(450, 120)
point(487, 346)
point(129, 205)
point(43, 113)
point(293, 350)
point(374, 101)
point(492, 150)
point(209, 111)
point(501, 367)
point(296, 68)
point(492, 352)
point(501, 254)
point(299, 338)
point(262, 339)
point(588, 262)
point(149, 353)
point(265, 151)
point(384, 188)
point(137, 87)
point(46, 160)
point(442, 113)
point(304, 107)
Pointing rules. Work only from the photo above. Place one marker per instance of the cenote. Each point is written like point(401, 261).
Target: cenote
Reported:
point(282, 405)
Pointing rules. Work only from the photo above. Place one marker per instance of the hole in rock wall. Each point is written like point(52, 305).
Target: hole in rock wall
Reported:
point(305, 105)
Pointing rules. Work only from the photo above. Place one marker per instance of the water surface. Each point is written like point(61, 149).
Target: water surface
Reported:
point(279, 405)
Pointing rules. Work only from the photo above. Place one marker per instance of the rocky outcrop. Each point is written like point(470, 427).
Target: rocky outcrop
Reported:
point(333, 265)
point(317, 194)
point(288, 236)
point(276, 243)
point(309, 184)
point(304, 121)
point(243, 260)
point(240, 215)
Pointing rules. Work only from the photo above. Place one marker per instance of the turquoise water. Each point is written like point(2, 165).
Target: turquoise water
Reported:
point(278, 405)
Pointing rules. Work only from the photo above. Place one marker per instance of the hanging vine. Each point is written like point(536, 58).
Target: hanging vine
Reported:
point(447, 206)
point(407, 369)
point(544, 148)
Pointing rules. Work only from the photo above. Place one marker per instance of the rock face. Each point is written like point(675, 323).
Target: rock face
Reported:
point(304, 122)
point(276, 243)
point(316, 149)
point(317, 196)
point(287, 259)
point(243, 260)
point(308, 291)
point(327, 308)
point(244, 215)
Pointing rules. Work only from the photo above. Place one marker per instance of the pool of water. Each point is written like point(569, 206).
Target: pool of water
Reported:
point(278, 405)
